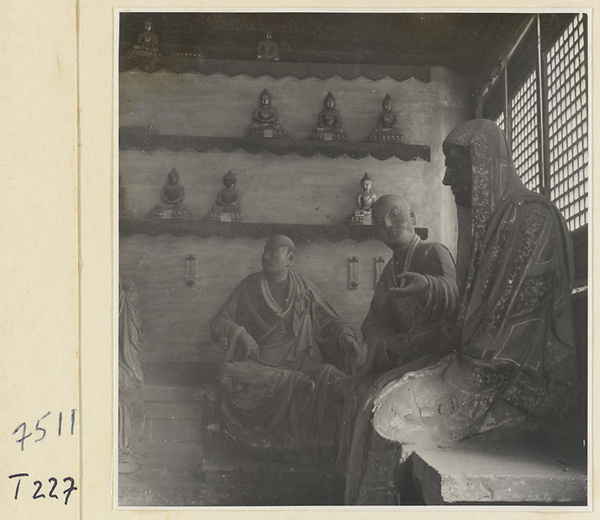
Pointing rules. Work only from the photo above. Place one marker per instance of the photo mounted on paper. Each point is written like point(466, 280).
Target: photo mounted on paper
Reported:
point(352, 259)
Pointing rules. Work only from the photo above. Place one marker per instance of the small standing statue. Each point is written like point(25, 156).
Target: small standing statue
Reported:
point(264, 119)
point(329, 122)
point(366, 198)
point(171, 196)
point(386, 129)
point(267, 49)
point(228, 203)
point(147, 42)
point(131, 380)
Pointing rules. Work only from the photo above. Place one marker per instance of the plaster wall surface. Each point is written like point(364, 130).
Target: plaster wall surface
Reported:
point(175, 318)
point(281, 189)
point(291, 188)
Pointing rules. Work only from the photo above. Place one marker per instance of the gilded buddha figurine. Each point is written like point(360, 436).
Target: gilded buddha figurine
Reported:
point(228, 203)
point(366, 198)
point(147, 42)
point(268, 49)
point(171, 196)
point(329, 122)
point(264, 119)
point(386, 129)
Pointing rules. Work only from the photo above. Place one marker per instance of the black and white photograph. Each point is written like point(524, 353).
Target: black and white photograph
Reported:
point(352, 259)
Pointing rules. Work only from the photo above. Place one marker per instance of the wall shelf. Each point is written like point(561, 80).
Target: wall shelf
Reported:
point(149, 141)
point(189, 63)
point(255, 230)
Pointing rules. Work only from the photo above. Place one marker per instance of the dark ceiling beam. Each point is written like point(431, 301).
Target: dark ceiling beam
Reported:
point(466, 42)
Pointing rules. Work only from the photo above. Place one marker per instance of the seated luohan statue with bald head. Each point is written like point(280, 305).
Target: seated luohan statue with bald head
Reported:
point(416, 298)
point(413, 308)
point(287, 352)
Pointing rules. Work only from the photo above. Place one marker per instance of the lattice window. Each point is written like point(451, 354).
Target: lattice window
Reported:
point(525, 141)
point(568, 123)
point(501, 122)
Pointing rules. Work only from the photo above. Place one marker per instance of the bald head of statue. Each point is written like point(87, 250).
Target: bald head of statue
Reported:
point(277, 257)
point(394, 221)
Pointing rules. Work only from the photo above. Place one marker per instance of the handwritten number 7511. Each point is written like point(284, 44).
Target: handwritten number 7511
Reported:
point(41, 431)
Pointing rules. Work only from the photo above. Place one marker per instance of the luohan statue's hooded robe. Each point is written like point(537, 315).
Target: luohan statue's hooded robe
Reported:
point(515, 355)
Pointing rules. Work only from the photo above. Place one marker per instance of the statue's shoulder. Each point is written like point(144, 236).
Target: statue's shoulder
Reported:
point(430, 249)
point(298, 278)
point(252, 280)
point(525, 206)
point(304, 284)
point(433, 246)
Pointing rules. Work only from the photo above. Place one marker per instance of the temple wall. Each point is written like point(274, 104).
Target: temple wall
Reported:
point(176, 317)
point(288, 189)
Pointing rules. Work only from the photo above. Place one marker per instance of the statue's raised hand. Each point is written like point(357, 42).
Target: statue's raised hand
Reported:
point(409, 283)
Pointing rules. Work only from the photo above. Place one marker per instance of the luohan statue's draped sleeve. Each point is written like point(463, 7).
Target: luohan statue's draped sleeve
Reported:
point(225, 324)
point(329, 328)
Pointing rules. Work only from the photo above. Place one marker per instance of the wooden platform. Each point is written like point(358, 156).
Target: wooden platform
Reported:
point(182, 465)
point(524, 473)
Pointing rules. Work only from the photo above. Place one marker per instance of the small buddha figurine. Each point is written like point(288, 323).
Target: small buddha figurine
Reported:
point(171, 196)
point(147, 42)
point(366, 198)
point(267, 49)
point(386, 129)
point(228, 203)
point(329, 122)
point(264, 119)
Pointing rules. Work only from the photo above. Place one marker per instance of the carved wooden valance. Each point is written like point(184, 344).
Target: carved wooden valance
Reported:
point(279, 69)
point(149, 141)
point(255, 230)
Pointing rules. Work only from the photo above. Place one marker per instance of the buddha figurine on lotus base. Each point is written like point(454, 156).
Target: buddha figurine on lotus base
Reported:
point(227, 208)
point(329, 122)
point(264, 119)
point(171, 204)
point(386, 129)
point(268, 49)
point(146, 45)
point(366, 198)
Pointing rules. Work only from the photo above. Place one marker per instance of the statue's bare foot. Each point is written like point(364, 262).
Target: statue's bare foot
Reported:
point(306, 383)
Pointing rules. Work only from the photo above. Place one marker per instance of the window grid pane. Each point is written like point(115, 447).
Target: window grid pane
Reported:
point(568, 124)
point(525, 143)
point(501, 122)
